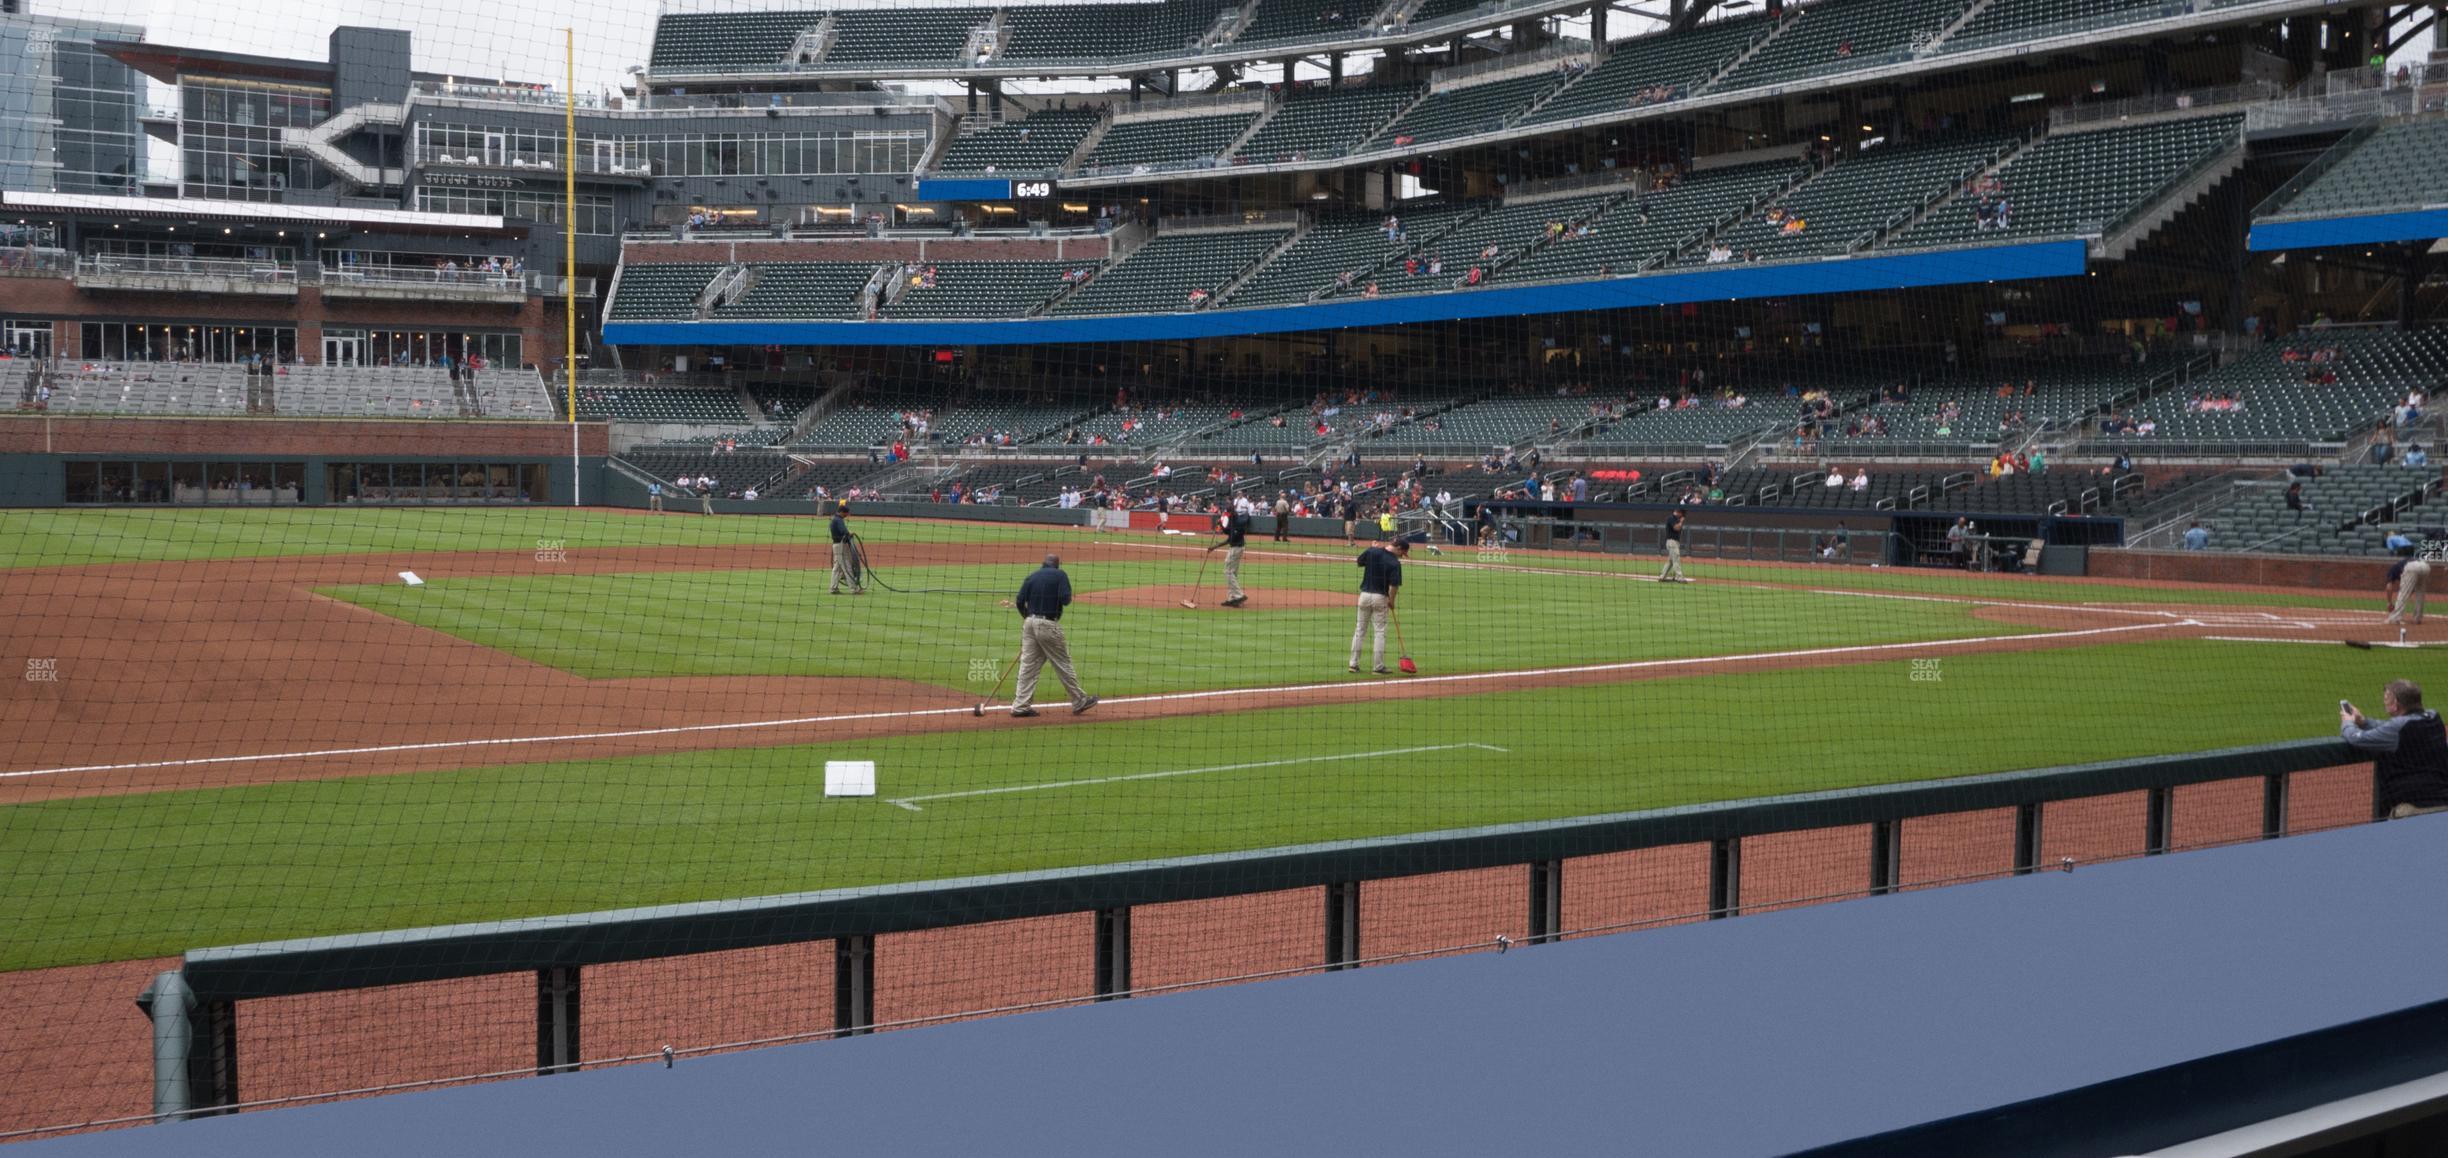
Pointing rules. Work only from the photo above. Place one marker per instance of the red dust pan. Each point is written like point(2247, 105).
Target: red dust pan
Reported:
point(1408, 667)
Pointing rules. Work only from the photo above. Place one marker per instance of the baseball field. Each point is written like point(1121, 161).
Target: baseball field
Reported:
point(245, 725)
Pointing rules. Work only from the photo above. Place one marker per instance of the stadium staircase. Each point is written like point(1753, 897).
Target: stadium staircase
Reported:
point(322, 142)
point(1418, 98)
point(1228, 25)
point(1088, 144)
point(2123, 239)
point(1228, 152)
point(814, 43)
point(881, 288)
point(1735, 65)
point(985, 39)
point(727, 287)
point(826, 403)
point(1937, 44)
point(1281, 248)
point(1395, 14)
point(1954, 196)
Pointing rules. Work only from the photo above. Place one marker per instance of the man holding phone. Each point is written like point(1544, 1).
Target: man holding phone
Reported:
point(2409, 752)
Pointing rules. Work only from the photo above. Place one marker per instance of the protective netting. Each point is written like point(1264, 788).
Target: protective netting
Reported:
point(1448, 494)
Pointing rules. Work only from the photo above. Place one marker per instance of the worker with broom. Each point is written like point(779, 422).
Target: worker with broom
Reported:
point(1380, 583)
point(1236, 539)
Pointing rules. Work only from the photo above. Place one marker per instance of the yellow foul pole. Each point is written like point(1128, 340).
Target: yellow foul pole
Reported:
point(569, 255)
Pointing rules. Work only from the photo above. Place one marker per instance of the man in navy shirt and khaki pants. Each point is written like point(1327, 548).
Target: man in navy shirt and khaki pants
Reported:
point(1380, 582)
point(1043, 595)
point(845, 556)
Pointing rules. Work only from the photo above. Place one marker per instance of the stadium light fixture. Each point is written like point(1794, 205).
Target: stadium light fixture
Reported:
point(2022, 98)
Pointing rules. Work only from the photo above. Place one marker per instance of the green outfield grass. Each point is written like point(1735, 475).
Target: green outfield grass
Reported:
point(58, 538)
point(777, 623)
point(110, 878)
point(53, 538)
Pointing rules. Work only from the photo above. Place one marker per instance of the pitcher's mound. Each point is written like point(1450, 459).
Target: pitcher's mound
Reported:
point(1212, 598)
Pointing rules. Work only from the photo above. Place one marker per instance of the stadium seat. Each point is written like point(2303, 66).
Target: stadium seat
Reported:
point(727, 41)
point(1842, 207)
point(903, 35)
point(1835, 35)
point(651, 292)
point(1323, 123)
point(801, 289)
point(1072, 32)
point(1040, 143)
point(1679, 62)
point(1482, 107)
point(2080, 183)
point(979, 289)
point(1649, 227)
point(1166, 142)
point(2397, 167)
point(1160, 276)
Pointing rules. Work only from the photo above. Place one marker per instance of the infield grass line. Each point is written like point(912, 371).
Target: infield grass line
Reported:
point(911, 802)
point(1154, 698)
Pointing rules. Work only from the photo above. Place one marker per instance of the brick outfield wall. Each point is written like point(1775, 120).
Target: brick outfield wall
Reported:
point(223, 437)
point(2228, 568)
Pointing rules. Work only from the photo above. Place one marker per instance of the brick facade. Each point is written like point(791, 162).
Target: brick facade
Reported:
point(2229, 568)
point(223, 437)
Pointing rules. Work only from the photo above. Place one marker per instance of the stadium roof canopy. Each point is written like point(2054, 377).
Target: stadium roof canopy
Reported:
point(201, 209)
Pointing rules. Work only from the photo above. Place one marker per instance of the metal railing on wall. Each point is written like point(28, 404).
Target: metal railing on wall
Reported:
point(197, 1061)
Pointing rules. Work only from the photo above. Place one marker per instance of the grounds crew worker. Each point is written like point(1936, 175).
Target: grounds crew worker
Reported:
point(1380, 582)
point(1236, 538)
point(2409, 751)
point(1283, 517)
point(2403, 594)
point(1674, 549)
point(654, 496)
point(1043, 595)
point(845, 554)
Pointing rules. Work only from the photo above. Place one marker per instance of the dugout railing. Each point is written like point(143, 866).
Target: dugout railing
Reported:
point(2143, 806)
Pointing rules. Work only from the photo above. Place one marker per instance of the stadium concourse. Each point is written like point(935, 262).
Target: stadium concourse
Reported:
point(515, 577)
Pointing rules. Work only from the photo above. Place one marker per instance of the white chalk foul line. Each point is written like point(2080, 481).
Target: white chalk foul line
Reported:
point(2316, 642)
point(911, 802)
point(1158, 698)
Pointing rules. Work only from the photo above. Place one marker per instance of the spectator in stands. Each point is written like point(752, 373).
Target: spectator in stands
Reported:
point(2196, 538)
point(2409, 751)
point(2295, 499)
point(1836, 477)
point(2415, 457)
point(2383, 449)
point(1861, 481)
